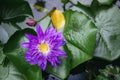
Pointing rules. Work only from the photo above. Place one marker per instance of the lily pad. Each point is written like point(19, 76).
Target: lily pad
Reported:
point(80, 34)
point(108, 23)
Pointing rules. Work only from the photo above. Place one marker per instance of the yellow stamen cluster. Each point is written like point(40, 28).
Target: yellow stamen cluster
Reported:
point(43, 47)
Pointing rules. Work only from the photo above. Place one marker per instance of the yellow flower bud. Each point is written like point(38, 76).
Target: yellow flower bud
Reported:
point(57, 18)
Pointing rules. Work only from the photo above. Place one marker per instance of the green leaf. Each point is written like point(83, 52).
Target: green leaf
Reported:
point(80, 33)
point(84, 2)
point(2, 56)
point(3, 35)
point(6, 30)
point(9, 72)
point(78, 56)
point(14, 11)
point(105, 2)
point(4, 72)
point(108, 23)
point(16, 55)
point(81, 8)
point(63, 69)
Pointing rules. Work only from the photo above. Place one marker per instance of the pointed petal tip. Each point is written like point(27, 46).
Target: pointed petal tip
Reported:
point(28, 35)
point(20, 45)
point(54, 65)
point(37, 24)
point(42, 67)
point(24, 45)
point(42, 64)
point(39, 30)
point(64, 55)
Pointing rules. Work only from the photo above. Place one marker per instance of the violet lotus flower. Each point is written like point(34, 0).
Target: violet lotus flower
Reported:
point(44, 47)
point(31, 22)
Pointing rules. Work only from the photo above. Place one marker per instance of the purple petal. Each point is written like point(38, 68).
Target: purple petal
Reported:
point(58, 60)
point(53, 63)
point(29, 36)
point(61, 43)
point(51, 37)
point(56, 40)
point(56, 44)
point(50, 31)
point(43, 65)
point(32, 38)
point(25, 45)
point(30, 58)
point(42, 62)
point(59, 52)
point(52, 59)
point(39, 31)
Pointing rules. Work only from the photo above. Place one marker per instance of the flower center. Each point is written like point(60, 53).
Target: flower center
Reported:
point(43, 47)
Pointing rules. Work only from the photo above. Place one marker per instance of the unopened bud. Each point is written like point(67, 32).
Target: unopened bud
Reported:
point(31, 22)
point(57, 18)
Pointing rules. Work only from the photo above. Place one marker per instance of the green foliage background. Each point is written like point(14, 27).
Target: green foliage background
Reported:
point(92, 31)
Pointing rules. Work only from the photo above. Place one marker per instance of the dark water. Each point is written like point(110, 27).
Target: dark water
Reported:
point(50, 4)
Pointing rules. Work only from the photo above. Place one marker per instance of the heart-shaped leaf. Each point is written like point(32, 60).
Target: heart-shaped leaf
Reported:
point(80, 33)
point(108, 23)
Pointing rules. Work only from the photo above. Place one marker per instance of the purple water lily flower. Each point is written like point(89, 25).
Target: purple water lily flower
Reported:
point(44, 47)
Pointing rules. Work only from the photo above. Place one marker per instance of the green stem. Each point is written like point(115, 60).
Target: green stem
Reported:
point(44, 10)
point(43, 17)
point(49, 23)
